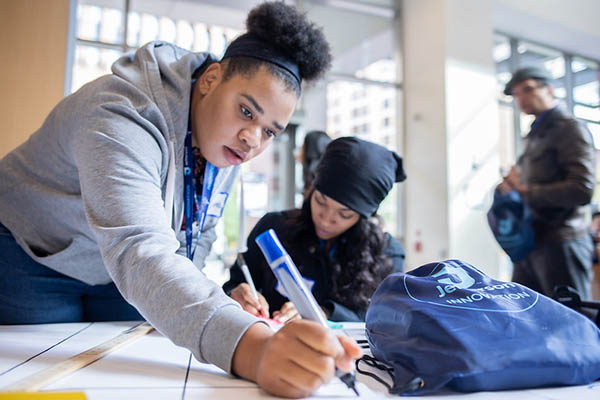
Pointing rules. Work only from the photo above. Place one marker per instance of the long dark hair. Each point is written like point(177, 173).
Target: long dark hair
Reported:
point(359, 264)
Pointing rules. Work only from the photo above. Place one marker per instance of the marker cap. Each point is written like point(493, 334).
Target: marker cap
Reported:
point(270, 245)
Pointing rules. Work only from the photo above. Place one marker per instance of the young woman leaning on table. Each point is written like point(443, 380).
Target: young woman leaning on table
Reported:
point(102, 212)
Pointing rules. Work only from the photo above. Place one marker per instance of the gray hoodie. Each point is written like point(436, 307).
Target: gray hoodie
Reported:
point(86, 196)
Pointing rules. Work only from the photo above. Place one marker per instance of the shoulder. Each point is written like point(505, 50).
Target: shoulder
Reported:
point(566, 124)
point(393, 246)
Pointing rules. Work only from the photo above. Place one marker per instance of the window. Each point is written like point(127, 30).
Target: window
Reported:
point(103, 36)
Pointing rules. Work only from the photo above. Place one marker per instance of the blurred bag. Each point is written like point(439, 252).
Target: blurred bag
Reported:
point(449, 325)
point(510, 221)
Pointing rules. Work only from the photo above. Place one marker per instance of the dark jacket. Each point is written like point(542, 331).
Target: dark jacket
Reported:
point(558, 166)
point(313, 264)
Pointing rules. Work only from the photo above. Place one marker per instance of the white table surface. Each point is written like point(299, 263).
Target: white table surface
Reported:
point(154, 368)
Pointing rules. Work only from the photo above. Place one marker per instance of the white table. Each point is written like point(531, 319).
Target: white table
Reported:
point(154, 368)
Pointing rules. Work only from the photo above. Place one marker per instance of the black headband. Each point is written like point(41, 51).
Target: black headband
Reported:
point(250, 45)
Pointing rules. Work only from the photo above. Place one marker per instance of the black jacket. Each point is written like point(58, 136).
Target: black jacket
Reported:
point(313, 264)
point(558, 165)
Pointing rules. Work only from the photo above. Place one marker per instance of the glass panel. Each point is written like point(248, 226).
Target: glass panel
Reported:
point(166, 29)
point(201, 38)
point(134, 26)
point(502, 57)
point(586, 85)
point(198, 26)
point(370, 38)
point(90, 63)
point(111, 27)
point(595, 129)
point(501, 50)
point(587, 113)
point(507, 145)
point(88, 25)
point(218, 41)
point(185, 34)
point(149, 28)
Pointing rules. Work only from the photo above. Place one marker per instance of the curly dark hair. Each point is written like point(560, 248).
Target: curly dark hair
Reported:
point(359, 264)
point(294, 35)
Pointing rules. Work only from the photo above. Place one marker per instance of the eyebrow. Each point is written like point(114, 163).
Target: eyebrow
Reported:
point(260, 109)
point(254, 103)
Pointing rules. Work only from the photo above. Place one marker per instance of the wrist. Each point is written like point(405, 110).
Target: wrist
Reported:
point(250, 350)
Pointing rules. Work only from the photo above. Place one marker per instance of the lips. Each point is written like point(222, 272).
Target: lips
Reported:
point(235, 156)
point(321, 232)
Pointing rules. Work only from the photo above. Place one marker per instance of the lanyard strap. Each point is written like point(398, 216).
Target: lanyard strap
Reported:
point(189, 192)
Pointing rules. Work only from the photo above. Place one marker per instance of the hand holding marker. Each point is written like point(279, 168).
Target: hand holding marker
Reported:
point(288, 276)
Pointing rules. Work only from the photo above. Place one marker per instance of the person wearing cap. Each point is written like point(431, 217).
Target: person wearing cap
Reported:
point(337, 245)
point(555, 177)
point(108, 211)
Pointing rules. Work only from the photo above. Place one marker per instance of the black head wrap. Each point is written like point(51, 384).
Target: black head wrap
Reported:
point(251, 45)
point(358, 174)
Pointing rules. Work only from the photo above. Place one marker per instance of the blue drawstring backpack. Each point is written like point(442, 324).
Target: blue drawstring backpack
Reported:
point(510, 221)
point(447, 324)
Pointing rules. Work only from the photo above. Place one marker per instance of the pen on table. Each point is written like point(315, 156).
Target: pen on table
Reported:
point(288, 276)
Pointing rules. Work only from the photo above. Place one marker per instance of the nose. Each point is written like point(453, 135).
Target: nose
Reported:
point(251, 136)
point(327, 218)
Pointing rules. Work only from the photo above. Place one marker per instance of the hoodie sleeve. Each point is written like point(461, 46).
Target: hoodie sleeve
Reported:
point(120, 158)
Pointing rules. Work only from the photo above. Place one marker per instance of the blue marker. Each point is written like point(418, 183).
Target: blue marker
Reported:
point(288, 276)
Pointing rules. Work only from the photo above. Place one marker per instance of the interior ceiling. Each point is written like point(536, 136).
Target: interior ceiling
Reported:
point(571, 25)
point(566, 25)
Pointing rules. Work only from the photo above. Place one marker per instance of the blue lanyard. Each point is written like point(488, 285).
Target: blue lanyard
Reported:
point(189, 192)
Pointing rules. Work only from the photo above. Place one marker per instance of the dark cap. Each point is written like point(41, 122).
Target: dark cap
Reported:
point(358, 174)
point(527, 73)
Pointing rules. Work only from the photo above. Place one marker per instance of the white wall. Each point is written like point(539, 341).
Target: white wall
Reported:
point(451, 130)
point(32, 65)
point(426, 189)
